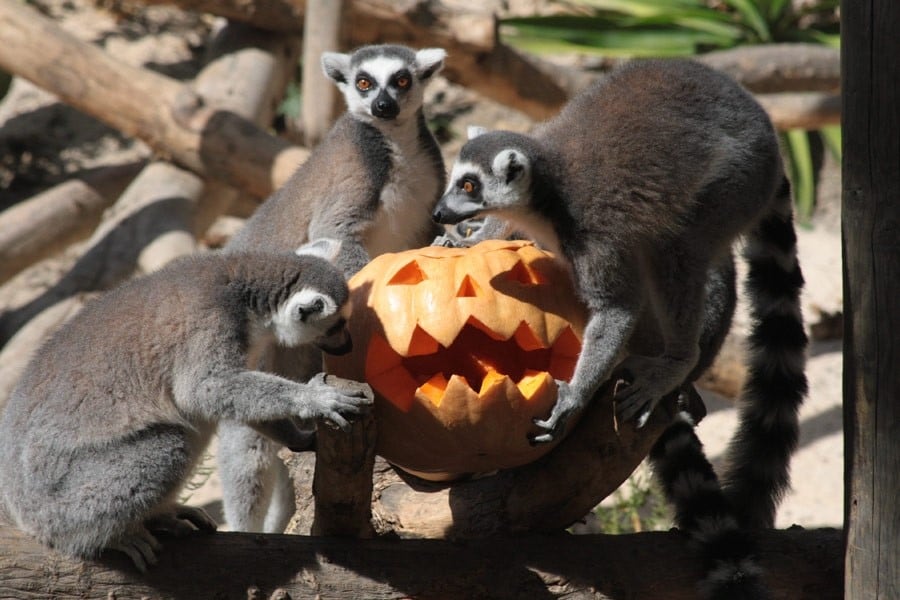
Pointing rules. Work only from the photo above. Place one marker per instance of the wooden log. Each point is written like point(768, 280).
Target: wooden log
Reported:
point(475, 59)
point(159, 200)
point(322, 33)
point(342, 484)
point(798, 564)
point(802, 110)
point(263, 63)
point(168, 116)
point(39, 227)
point(547, 495)
point(780, 68)
point(871, 272)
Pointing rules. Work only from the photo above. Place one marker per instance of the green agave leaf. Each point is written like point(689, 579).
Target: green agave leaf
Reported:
point(749, 12)
point(634, 42)
point(800, 161)
point(832, 137)
point(777, 9)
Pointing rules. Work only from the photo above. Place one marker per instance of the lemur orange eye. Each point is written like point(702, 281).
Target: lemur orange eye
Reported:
point(363, 84)
point(402, 82)
point(468, 187)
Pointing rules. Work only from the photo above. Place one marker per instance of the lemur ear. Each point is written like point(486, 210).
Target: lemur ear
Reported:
point(336, 66)
point(429, 61)
point(473, 131)
point(327, 248)
point(511, 165)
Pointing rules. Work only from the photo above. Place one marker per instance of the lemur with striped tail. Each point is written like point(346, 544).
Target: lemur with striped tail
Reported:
point(642, 184)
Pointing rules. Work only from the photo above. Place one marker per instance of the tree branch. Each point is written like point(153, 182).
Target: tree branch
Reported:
point(799, 564)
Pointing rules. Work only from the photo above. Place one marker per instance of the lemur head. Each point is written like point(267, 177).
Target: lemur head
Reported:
point(383, 83)
point(491, 175)
point(317, 311)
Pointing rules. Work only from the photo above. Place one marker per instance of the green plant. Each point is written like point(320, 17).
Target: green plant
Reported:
point(638, 505)
point(642, 28)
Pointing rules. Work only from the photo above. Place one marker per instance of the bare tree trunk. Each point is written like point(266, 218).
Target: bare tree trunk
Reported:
point(322, 33)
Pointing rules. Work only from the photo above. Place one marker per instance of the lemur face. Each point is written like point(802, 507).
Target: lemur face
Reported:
point(488, 177)
point(383, 83)
point(313, 317)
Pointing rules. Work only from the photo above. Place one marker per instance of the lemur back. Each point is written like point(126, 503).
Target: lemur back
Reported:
point(371, 183)
point(642, 183)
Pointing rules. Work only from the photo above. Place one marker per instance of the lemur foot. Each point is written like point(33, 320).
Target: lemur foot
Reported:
point(650, 378)
point(140, 545)
point(182, 520)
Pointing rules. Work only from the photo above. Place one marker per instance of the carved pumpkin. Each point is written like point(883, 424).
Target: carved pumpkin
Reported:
point(461, 347)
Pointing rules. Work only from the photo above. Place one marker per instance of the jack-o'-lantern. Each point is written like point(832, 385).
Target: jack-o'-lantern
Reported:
point(461, 347)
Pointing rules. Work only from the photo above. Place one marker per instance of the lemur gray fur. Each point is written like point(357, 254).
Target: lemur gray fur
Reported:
point(642, 184)
point(371, 183)
point(116, 408)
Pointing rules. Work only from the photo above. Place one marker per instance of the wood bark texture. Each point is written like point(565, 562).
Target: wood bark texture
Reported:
point(871, 270)
point(170, 117)
point(42, 225)
point(322, 33)
point(547, 495)
point(799, 565)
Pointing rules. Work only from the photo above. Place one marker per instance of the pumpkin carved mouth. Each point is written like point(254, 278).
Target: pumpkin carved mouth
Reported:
point(462, 347)
point(476, 359)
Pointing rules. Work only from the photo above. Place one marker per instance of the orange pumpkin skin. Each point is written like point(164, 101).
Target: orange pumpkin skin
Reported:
point(461, 347)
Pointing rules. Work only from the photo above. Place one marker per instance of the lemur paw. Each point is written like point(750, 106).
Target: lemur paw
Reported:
point(182, 520)
point(650, 379)
point(337, 398)
point(140, 545)
point(568, 404)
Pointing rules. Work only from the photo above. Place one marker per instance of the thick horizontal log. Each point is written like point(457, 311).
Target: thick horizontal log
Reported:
point(159, 201)
point(779, 68)
point(170, 117)
point(40, 226)
point(809, 111)
point(799, 565)
point(475, 59)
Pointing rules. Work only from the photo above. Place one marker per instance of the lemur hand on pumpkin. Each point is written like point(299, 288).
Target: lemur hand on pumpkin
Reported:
point(371, 183)
point(642, 184)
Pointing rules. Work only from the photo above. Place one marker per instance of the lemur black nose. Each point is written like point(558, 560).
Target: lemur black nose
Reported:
point(385, 107)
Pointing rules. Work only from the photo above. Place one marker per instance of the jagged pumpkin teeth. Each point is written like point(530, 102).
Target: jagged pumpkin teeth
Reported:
point(462, 347)
point(534, 382)
point(434, 388)
point(491, 379)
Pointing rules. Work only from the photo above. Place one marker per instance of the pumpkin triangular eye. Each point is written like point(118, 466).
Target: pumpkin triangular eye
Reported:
point(409, 274)
point(525, 274)
point(468, 288)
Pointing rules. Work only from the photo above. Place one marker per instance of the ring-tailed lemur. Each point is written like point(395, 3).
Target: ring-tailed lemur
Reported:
point(641, 184)
point(371, 183)
point(117, 406)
